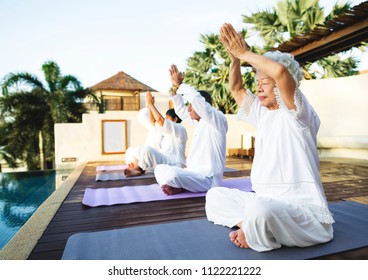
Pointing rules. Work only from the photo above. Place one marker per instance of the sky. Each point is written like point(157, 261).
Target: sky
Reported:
point(93, 40)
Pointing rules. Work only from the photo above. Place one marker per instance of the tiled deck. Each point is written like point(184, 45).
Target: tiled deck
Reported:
point(343, 179)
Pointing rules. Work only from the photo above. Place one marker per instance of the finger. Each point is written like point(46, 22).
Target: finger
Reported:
point(223, 39)
point(175, 69)
point(230, 30)
point(224, 31)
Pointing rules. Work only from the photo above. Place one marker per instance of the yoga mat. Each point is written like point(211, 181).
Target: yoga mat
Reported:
point(102, 168)
point(115, 172)
point(113, 176)
point(202, 240)
point(144, 193)
point(228, 169)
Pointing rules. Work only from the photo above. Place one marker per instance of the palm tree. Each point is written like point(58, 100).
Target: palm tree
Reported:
point(296, 17)
point(24, 115)
point(209, 70)
point(30, 109)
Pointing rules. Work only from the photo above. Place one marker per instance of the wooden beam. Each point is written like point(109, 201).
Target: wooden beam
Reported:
point(338, 41)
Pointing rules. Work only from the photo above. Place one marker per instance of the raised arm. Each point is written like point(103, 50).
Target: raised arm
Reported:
point(151, 117)
point(158, 118)
point(235, 81)
point(207, 112)
point(235, 44)
point(176, 78)
point(235, 78)
point(179, 106)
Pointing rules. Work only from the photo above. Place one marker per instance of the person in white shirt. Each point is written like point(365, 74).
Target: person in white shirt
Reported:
point(207, 153)
point(153, 138)
point(288, 206)
point(171, 148)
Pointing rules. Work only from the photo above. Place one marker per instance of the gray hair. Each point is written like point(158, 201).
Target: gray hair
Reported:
point(289, 62)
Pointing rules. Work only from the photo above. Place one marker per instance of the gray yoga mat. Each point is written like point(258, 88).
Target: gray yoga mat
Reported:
point(119, 175)
point(116, 172)
point(202, 240)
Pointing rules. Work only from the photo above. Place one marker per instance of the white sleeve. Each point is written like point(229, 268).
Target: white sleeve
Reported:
point(208, 113)
point(144, 119)
point(179, 106)
point(175, 129)
point(303, 112)
point(249, 109)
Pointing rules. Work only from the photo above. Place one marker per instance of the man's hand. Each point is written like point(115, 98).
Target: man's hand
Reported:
point(176, 76)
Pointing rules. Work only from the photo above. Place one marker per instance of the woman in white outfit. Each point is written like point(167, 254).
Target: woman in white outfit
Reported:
point(170, 150)
point(153, 138)
point(288, 206)
point(207, 154)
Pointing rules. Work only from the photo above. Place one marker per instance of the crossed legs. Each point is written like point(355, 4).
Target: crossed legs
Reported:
point(173, 180)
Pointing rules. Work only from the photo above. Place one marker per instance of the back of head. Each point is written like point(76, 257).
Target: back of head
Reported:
point(206, 96)
point(173, 115)
point(289, 62)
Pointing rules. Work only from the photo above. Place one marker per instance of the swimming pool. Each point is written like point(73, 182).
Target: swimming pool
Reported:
point(21, 193)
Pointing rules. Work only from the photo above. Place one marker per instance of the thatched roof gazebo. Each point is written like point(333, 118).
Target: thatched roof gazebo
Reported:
point(122, 81)
point(121, 92)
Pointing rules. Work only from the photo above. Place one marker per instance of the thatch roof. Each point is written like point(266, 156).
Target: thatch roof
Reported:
point(350, 29)
point(121, 81)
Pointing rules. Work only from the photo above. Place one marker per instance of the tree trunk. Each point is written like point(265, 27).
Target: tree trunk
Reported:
point(42, 154)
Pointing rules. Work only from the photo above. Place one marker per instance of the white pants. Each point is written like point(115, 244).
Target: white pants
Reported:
point(182, 178)
point(267, 223)
point(148, 157)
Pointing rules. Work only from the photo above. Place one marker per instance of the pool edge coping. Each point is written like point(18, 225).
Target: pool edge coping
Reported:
point(22, 244)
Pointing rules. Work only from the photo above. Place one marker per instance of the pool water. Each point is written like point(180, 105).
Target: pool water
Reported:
point(21, 193)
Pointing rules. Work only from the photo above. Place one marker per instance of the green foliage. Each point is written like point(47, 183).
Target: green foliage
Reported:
point(209, 69)
point(29, 109)
point(298, 17)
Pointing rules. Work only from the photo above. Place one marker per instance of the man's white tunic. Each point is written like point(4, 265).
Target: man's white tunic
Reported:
point(207, 153)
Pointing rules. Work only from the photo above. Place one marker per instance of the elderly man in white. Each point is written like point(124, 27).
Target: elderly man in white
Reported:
point(207, 154)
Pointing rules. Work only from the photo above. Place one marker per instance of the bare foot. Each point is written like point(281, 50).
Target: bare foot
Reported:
point(238, 238)
point(170, 190)
point(132, 172)
point(133, 164)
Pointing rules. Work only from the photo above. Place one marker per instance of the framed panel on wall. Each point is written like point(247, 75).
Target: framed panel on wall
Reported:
point(114, 136)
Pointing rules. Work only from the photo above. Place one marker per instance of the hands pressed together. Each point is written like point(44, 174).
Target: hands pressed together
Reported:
point(150, 100)
point(233, 41)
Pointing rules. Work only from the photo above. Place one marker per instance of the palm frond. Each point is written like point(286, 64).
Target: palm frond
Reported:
point(21, 79)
